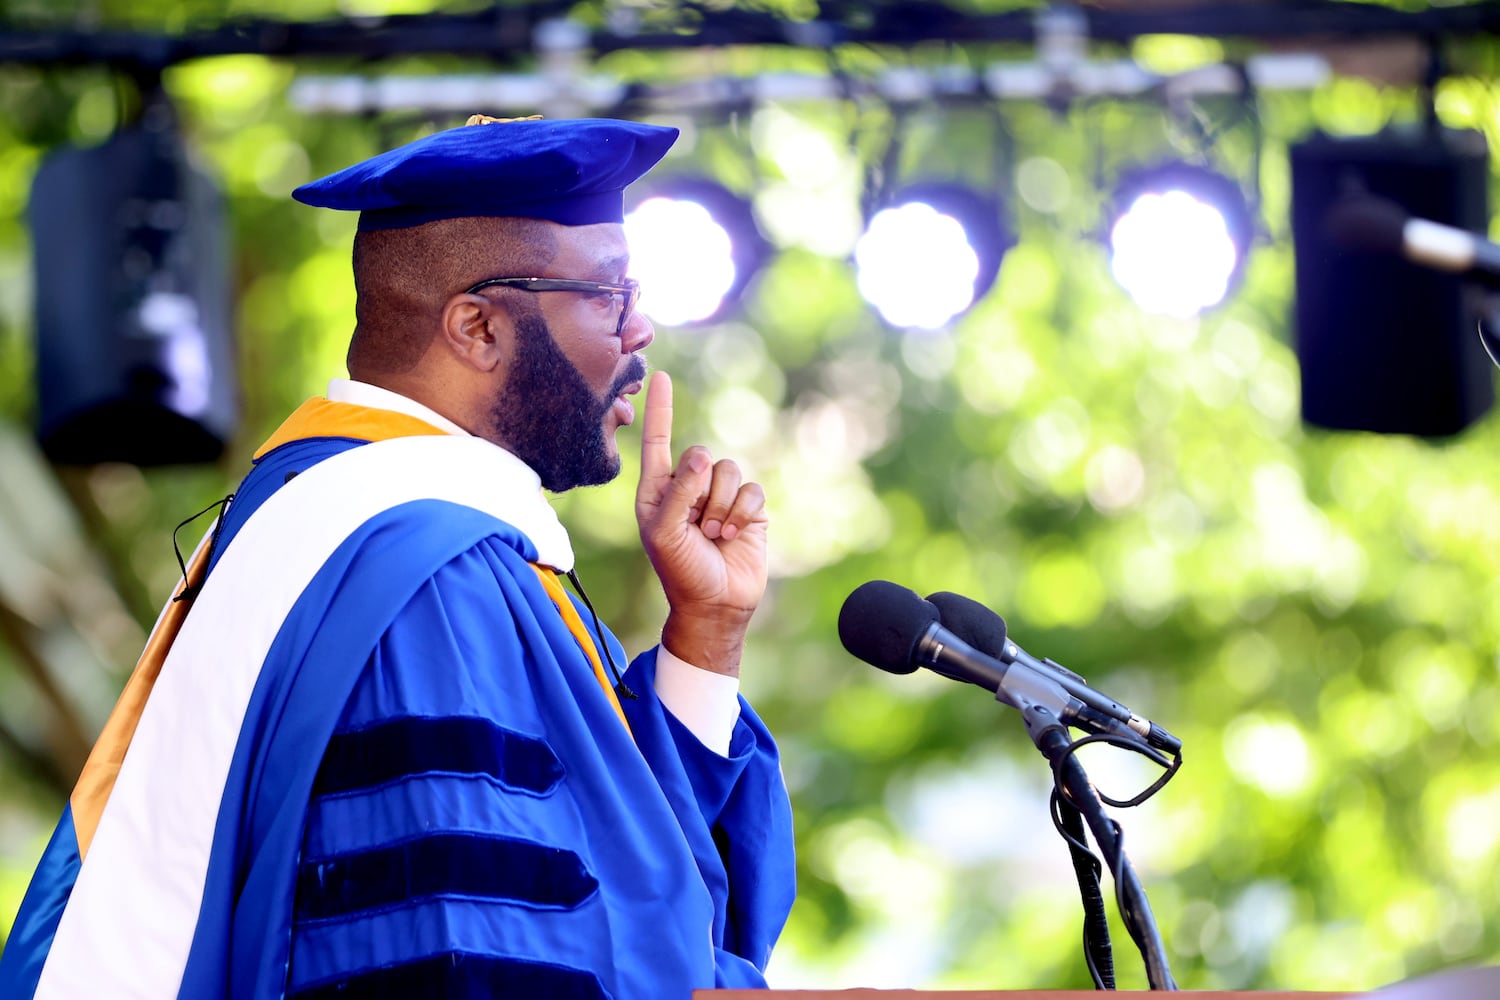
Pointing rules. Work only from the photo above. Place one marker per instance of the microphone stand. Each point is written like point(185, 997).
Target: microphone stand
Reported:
point(1049, 734)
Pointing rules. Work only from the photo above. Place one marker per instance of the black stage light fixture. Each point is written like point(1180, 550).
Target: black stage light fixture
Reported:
point(133, 310)
point(1385, 345)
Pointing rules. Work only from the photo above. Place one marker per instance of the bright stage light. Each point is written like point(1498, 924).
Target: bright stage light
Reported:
point(1179, 237)
point(693, 247)
point(682, 256)
point(930, 255)
point(916, 266)
point(1173, 253)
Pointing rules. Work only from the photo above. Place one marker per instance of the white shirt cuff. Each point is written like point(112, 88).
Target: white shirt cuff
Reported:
point(708, 704)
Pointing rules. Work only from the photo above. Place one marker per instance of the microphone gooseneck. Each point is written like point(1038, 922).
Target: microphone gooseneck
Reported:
point(985, 630)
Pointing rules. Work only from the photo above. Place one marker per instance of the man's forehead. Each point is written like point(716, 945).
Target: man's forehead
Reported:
point(599, 247)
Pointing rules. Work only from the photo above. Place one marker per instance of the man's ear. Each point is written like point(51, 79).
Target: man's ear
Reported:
point(475, 329)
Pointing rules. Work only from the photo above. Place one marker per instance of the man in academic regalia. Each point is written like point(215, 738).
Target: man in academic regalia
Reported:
point(374, 747)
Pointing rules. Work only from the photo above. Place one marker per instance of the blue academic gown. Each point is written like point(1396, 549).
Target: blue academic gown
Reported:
point(431, 795)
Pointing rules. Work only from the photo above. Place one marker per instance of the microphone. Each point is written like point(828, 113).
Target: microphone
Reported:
point(984, 629)
point(893, 628)
point(1366, 222)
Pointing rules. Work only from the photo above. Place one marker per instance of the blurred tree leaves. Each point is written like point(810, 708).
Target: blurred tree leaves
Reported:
point(1317, 615)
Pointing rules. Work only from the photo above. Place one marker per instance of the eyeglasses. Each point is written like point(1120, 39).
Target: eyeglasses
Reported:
point(628, 291)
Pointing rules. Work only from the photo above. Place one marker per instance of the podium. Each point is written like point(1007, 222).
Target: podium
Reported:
point(1473, 983)
point(865, 994)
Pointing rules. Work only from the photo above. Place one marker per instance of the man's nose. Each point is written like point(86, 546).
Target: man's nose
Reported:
point(638, 333)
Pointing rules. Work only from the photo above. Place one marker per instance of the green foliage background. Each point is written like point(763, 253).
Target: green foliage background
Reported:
point(1316, 614)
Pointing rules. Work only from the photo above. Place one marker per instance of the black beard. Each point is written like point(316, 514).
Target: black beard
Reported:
point(549, 418)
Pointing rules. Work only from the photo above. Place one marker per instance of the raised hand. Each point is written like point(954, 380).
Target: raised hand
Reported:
point(704, 530)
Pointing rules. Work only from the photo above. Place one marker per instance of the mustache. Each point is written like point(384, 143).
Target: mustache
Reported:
point(634, 372)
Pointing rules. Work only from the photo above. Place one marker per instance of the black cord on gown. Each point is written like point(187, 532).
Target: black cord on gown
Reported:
point(190, 588)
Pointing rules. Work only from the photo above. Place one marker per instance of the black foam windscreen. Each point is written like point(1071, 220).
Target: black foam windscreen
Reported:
point(882, 622)
point(1385, 345)
point(970, 621)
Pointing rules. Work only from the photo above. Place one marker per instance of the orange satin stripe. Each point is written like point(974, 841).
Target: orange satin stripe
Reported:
point(98, 777)
point(319, 417)
point(570, 617)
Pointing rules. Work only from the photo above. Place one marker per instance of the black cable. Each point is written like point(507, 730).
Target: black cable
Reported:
point(1097, 950)
point(1072, 791)
point(1130, 896)
point(1151, 753)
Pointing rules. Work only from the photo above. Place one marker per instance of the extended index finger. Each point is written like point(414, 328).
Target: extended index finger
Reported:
point(656, 437)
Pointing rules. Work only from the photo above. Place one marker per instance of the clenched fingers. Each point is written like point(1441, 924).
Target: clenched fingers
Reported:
point(719, 497)
point(748, 508)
